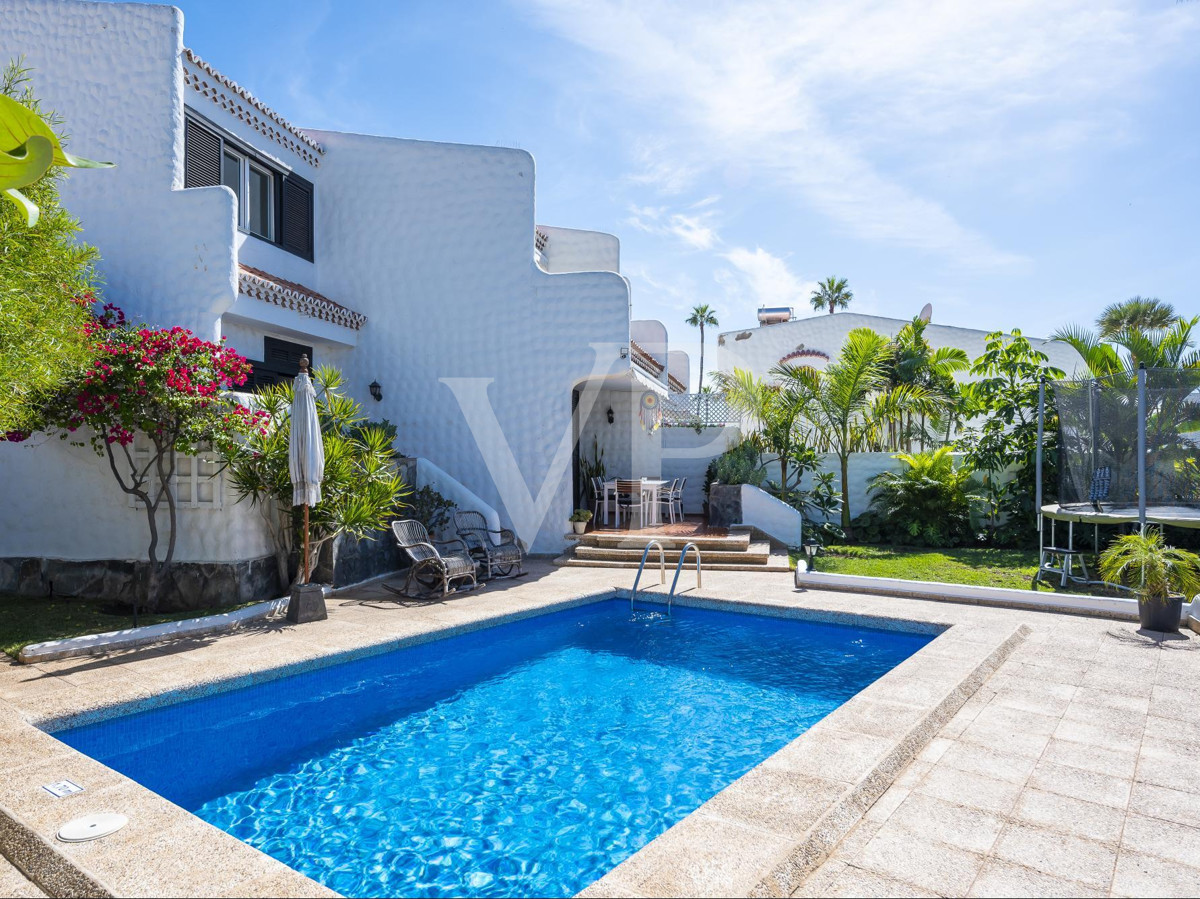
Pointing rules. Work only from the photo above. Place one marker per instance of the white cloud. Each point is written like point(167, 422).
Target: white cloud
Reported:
point(695, 231)
point(763, 278)
point(842, 103)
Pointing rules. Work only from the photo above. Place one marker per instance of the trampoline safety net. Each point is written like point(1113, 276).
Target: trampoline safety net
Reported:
point(1098, 439)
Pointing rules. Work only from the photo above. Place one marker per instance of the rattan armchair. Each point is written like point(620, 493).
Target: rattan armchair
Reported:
point(432, 567)
point(497, 559)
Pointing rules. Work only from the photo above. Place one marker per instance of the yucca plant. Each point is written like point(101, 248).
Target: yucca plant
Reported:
point(1161, 576)
point(929, 502)
point(362, 489)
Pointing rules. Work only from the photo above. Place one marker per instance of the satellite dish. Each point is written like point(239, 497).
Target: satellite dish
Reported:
point(926, 313)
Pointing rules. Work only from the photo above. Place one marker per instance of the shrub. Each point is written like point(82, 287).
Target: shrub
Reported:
point(929, 503)
point(431, 509)
point(738, 465)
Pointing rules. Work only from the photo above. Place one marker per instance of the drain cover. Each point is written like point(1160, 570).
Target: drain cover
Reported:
point(91, 827)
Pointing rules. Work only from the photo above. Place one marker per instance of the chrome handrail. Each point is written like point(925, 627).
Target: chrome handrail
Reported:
point(662, 570)
point(679, 567)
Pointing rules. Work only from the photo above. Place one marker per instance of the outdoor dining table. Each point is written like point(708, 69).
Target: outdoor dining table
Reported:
point(650, 491)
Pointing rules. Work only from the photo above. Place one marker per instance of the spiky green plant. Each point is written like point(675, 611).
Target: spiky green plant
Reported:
point(1136, 314)
point(362, 489)
point(929, 502)
point(1153, 570)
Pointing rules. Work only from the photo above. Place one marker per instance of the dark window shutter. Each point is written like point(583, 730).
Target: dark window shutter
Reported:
point(296, 217)
point(202, 156)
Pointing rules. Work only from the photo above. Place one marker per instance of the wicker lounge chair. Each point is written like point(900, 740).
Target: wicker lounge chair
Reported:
point(498, 560)
point(431, 567)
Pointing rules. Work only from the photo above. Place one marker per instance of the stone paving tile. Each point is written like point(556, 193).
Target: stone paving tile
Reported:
point(16, 885)
point(1166, 803)
point(1164, 839)
point(1117, 762)
point(931, 866)
point(1005, 879)
point(854, 882)
point(1052, 852)
point(1146, 875)
point(1062, 813)
point(1080, 784)
point(989, 762)
point(1080, 747)
point(944, 822)
point(975, 790)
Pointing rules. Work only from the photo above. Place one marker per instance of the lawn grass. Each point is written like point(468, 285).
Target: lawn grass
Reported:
point(25, 620)
point(985, 567)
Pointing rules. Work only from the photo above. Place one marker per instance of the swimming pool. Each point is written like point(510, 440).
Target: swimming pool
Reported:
point(524, 759)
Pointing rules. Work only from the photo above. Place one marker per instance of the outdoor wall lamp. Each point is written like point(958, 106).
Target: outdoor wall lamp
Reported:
point(610, 415)
point(376, 390)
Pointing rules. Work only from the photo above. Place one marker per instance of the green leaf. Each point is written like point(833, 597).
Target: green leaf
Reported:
point(18, 124)
point(23, 203)
point(25, 164)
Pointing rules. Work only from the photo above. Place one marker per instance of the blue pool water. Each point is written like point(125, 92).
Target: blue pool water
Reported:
point(525, 759)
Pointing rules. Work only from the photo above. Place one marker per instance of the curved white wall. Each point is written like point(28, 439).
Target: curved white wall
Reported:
point(576, 250)
point(476, 348)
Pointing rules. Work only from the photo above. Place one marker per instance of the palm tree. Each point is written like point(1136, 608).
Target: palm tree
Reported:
point(1136, 314)
point(849, 395)
point(915, 362)
point(701, 315)
point(1172, 347)
point(832, 293)
point(774, 410)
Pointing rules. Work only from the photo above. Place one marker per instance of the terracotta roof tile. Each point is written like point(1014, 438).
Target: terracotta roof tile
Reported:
point(260, 285)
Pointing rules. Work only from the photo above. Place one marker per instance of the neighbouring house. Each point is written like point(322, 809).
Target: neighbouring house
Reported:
point(816, 340)
point(495, 345)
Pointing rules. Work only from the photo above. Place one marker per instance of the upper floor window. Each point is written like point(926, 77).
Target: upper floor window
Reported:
point(255, 188)
point(273, 205)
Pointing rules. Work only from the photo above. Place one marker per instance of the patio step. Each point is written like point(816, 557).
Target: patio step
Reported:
point(777, 563)
point(751, 554)
point(735, 541)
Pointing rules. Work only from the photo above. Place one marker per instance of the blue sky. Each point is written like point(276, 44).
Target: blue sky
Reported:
point(1017, 163)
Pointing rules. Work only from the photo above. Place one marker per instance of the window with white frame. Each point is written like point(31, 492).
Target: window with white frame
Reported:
point(199, 482)
point(254, 186)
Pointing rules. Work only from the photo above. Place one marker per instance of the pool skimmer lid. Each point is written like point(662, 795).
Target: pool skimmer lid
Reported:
point(92, 827)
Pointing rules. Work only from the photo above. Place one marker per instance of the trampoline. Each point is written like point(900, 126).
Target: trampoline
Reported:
point(1128, 456)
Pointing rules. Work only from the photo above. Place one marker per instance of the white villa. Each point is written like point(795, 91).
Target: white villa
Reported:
point(816, 340)
point(500, 348)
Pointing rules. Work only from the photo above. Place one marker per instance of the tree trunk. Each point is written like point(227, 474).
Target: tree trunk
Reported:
point(845, 462)
point(700, 382)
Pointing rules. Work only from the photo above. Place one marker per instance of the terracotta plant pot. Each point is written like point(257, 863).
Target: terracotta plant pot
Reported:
point(1160, 615)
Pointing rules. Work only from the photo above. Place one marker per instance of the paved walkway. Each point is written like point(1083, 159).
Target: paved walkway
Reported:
point(1074, 771)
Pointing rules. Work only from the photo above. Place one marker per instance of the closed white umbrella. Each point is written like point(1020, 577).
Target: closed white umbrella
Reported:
point(306, 452)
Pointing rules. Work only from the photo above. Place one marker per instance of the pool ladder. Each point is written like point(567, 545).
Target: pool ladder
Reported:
point(662, 572)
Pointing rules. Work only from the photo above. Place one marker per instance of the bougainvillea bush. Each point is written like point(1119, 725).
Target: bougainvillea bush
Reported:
point(165, 383)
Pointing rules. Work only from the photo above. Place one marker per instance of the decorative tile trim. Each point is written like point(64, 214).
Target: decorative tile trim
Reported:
point(287, 294)
point(243, 105)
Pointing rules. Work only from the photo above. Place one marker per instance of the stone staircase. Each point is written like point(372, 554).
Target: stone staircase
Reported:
point(734, 550)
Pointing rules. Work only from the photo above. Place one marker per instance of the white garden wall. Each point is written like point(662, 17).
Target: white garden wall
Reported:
point(686, 454)
point(65, 504)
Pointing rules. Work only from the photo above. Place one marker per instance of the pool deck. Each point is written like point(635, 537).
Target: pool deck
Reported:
point(1020, 753)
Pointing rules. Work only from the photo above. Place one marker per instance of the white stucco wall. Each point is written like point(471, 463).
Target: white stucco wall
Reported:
point(686, 454)
point(771, 516)
point(630, 450)
point(476, 348)
point(761, 348)
point(62, 502)
point(113, 72)
point(679, 366)
point(576, 250)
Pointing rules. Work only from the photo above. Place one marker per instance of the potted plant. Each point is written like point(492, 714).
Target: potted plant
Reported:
point(1161, 576)
point(579, 521)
